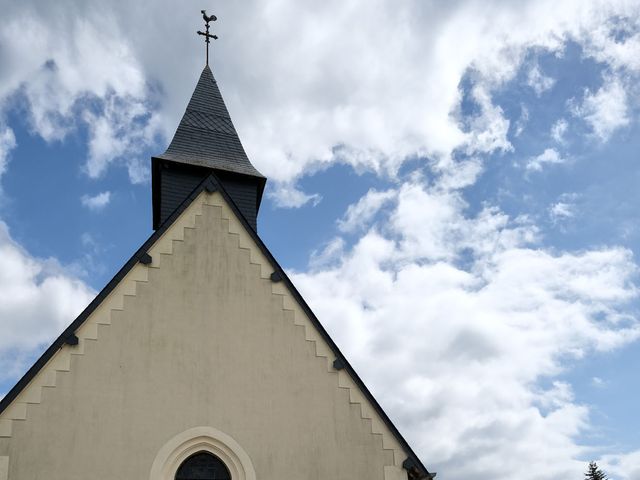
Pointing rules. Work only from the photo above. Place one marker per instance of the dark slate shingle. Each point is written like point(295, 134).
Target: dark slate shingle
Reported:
point(206, 136)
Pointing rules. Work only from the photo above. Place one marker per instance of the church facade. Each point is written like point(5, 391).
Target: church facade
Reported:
point(200, 359)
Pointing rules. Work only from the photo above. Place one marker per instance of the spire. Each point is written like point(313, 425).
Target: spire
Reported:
point(205, 141)
point(206, 136)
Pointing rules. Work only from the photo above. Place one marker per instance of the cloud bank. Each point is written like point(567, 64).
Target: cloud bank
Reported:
point(38, 299)
point(370, 96)
point(475, 321)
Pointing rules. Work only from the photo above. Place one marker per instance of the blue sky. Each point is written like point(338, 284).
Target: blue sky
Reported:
point(452, 187)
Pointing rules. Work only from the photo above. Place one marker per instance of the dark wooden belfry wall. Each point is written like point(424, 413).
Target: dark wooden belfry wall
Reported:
point(173, 182)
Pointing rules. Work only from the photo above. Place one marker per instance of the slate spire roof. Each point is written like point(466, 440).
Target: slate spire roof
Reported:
point(206, 136)
point(206, 141)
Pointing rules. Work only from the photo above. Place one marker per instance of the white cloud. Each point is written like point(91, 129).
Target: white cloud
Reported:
point(605, 110)
point(461, 174)
point(539, 82)
point(522, 121)
point(289, 196)
point(549, 157)
point(561, 210)
point(115, 135)
point(403, 105)
point(327, 111)
point(559, 130)
point(489, 129)
point(624, 466)
point(7, 143)
point(139, 171)
point(565, 208)
point(360, 213)
point(327, 255)
point(96, 202)
point(608, 46)
point(38, 299)
point(72, 73)
point(475, 314)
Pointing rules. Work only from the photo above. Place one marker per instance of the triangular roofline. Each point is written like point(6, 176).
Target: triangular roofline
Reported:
point(415, 468)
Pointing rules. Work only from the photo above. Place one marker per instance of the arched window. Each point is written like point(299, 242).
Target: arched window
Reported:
point(203, 466)
point(230, 459)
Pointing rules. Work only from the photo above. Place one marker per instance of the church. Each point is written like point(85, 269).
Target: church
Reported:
point(199, 360)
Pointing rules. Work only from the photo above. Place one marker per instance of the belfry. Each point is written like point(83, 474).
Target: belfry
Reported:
point(199, 360)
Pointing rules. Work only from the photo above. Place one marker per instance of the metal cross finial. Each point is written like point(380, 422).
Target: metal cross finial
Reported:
point(207, 35)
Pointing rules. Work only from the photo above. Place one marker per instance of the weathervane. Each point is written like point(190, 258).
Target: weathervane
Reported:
point(206, 34)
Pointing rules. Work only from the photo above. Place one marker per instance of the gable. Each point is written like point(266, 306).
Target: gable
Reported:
point(206, 307)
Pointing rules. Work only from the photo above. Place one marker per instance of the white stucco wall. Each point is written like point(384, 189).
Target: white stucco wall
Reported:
point(198, 339)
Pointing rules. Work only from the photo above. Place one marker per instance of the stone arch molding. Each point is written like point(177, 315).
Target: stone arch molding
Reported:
point(202, 439)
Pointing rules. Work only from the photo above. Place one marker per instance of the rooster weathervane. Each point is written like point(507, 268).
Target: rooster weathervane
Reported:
point(206, 34)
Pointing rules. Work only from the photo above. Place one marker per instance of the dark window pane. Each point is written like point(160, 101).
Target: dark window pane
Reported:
point(203, 466)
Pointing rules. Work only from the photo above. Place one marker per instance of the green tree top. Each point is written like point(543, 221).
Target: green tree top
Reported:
point(594, 472)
